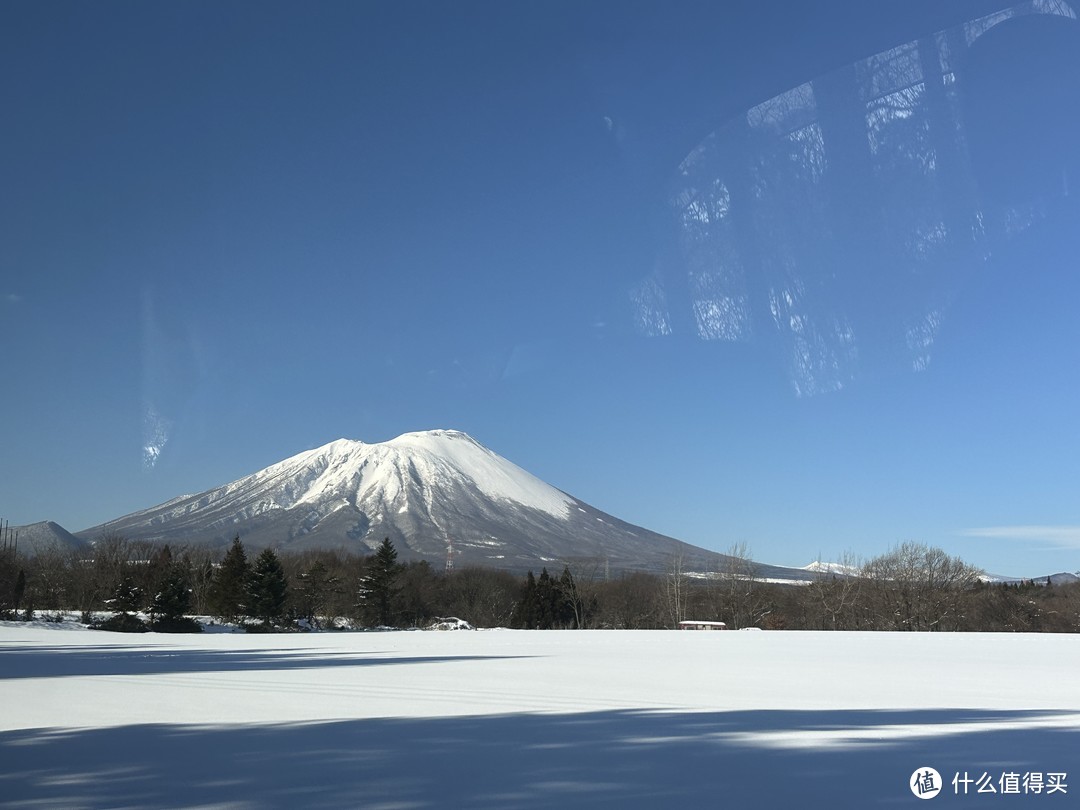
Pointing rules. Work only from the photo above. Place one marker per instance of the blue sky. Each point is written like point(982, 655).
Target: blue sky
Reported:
point(237, 231)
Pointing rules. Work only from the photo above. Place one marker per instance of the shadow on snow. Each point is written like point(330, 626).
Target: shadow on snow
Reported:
point(625, 759)
point(58, 662)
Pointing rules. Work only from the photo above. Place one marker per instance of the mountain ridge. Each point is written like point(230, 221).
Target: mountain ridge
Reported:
point(425, 491)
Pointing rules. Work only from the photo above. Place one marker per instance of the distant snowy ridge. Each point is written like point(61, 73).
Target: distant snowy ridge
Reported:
point(819, 567)
point(1060, 578)
point(449, 453)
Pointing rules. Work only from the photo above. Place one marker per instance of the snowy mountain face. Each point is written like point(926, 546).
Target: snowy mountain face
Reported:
point(423, 491)
point(403, 480)
point(830, 568)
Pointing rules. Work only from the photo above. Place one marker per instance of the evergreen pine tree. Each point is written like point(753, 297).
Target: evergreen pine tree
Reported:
point(546, 601)
point(172, 601)
point(379, 588)
point(127, 597)
point(227, 597)
point(268, 589)
point(126, 600)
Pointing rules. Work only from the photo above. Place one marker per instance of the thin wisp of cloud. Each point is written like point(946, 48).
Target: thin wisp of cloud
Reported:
point(1067, 537)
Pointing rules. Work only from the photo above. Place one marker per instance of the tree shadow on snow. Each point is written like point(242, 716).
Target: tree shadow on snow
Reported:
point(58, 662)
point(625, 759)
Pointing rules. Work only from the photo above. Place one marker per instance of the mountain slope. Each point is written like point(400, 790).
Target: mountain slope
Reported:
point(37, 538)
point(423, 491)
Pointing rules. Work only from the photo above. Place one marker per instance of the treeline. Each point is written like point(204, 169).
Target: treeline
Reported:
point(129, 585)
point(126, 580)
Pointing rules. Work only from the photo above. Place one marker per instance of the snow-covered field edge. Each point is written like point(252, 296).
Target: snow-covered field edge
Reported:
point(530, 718)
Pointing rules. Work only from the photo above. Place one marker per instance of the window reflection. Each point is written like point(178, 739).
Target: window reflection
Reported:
point(837, 221)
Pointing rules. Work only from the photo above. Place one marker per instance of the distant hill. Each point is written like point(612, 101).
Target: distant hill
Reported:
point(1062, 578)
point(35, 538)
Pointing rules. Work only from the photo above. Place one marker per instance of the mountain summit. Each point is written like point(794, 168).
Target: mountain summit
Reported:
point(422, 490)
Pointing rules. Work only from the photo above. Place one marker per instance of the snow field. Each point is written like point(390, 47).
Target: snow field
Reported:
point(507, 718)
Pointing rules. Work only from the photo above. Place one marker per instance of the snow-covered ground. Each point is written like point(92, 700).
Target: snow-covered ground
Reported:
point(502, 718)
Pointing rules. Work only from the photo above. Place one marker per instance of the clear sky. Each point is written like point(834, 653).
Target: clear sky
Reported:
point(632, 247)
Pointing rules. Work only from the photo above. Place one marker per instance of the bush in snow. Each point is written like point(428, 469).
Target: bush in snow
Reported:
point(127, 598)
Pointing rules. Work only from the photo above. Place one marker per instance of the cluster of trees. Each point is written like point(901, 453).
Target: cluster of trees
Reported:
point(167, 604)
point(911, 587)
point(239, 589)
point(550, 603)
point(129, 580)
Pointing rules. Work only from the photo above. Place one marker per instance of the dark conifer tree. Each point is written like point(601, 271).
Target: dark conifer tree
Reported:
point(126, 600)
point(546, 601)
point(127, 597)
point(172, 602)
point(228, 594)
point(268, 589)
point(379, 588)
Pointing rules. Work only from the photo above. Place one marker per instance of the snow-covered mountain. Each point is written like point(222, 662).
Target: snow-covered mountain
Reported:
point(841, 569)
point(423, 491)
